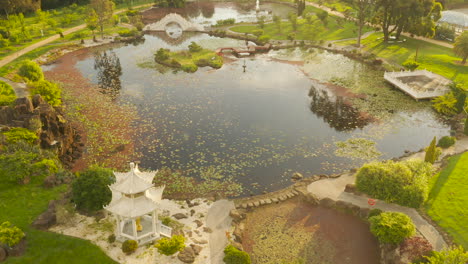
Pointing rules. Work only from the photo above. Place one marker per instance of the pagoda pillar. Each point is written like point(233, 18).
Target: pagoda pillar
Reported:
point(135, 235)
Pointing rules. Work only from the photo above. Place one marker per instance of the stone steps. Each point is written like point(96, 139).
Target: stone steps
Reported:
point(273, 198)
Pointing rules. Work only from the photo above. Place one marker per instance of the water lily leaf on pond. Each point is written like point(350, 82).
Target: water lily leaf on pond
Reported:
point(357, 148)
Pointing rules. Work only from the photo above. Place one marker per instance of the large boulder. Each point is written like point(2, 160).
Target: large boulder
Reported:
point(187, 255)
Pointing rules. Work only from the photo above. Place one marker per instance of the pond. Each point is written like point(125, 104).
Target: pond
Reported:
point(259, 119)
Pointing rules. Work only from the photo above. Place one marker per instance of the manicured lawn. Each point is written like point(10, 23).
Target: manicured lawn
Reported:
point(335, 29)
point(432, 57)
point(448, 199)
point(21, 204)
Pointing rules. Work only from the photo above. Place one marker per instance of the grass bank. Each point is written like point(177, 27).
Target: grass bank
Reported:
point(448, 199)
point(435, 58)
point(335, 29)
point(21, 204)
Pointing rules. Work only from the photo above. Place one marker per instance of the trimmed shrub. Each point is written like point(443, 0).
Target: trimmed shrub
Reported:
point(128, 33)
point(194, 47)
point(374, 212)
point(129, 246)
point(189, 68)
point(404, 183)
point(232, 255)
point(10, 235)
point(162, 54)
point(258, 32)
point(7, 94)
point(392, 227)
point(291, 36)
point(169, 246)
point(224, 22)
point(445, 104)
point(111, 238)
point(446, 141)
point(31, 71)
point(411, 65)
point(20, 134)
point(263, 39)
point(50, 91)
point(454, 255)
point(90, 189)
point(415, 248)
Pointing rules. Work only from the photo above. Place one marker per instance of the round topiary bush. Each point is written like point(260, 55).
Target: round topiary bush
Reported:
point(232, 255)
point(31, 71)
point(129, 246)
point(111, 238)
point(446, 141)
point(392, 227)
point(50, 91)
point(169, 246)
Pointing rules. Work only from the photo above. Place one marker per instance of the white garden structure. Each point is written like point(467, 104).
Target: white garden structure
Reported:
point(135, 206)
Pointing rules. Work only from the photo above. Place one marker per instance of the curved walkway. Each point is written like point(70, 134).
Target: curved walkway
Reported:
point(41, 43)
point(334, 189)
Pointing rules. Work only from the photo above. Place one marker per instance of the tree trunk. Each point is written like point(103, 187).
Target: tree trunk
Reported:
point(102, 31)
point(464, 59)
point(359, 36)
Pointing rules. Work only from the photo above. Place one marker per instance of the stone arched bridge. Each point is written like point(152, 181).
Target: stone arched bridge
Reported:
point(174, 18)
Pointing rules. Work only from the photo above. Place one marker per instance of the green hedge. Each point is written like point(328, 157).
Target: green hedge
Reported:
point(7, 94)
point(404, 183)
point(392, 227)
point(169, 246)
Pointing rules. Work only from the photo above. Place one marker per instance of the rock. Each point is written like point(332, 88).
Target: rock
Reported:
point(3, 254)
point(353, 170)
point(250, 204)
point(294, 192)
point(198, 222)
point(274, 200)
point(268, 201)
point(297, 176)
point(192, 212)
point(327, 202)
point(236, 215)
point(201, 241)
point(364, 212)
point(244, 205)
point(50, 181)
point(207, 230)
point(45, 220)
point(196, 249)
point(312, 199)
point(351, 188)
point(179, 216)
point(256, 203)
point(189, 233)
point(238, 246)
point(187, 255)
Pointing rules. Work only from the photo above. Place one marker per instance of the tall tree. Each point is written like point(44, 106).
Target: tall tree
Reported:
point(16, 6)
point(363, 12)
point(431, 155)
point(410, 15)
point(92, 22)
point(104, 10)
point(460, 47)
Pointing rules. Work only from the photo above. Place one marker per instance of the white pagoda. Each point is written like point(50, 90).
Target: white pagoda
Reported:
point(135, 206)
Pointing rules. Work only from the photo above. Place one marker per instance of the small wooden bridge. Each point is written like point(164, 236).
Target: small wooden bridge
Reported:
point(241, 52)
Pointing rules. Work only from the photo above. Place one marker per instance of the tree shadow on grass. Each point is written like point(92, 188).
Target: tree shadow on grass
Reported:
point(442, 179)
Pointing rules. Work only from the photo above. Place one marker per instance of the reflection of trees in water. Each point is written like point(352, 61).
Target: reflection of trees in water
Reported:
point(109, 71)
point(206, 9)
point(335, 111)
point(174, 41)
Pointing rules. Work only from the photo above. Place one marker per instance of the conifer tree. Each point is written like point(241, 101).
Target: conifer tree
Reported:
point(431, 152)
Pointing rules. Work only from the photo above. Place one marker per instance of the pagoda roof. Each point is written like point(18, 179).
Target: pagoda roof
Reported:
point(132, 207)
point(133, 181)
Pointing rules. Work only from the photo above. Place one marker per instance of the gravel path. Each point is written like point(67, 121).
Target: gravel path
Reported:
point(219, 221)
